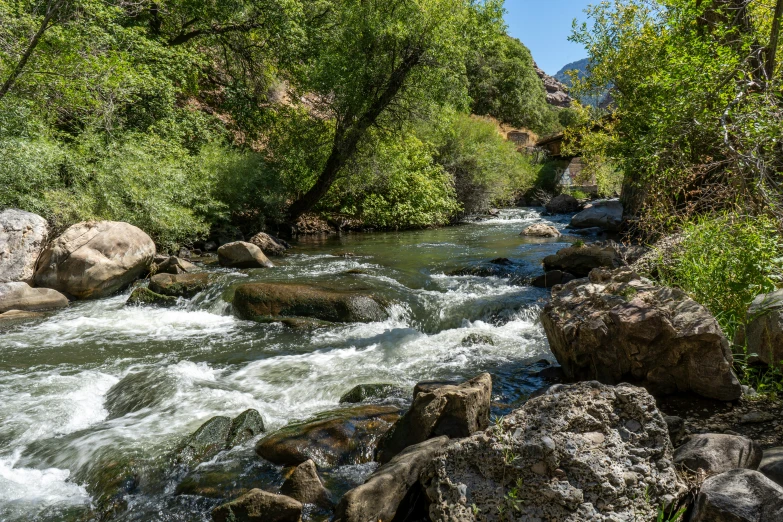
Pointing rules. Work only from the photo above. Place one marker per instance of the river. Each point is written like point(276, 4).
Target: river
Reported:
point(100, 382)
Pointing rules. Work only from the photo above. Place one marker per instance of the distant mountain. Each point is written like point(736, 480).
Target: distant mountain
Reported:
point(581, 67)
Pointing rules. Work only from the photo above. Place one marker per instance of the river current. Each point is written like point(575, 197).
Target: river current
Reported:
point(99, 382)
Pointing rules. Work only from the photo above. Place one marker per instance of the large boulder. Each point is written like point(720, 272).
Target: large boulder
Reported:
point(385, 492)
point(95, 259)
point(179, 285)
point(259, 506)
point(617, 326)
point(764, 332)
point(563, 204)
point(270, 301)
point(739, 495)
point(240, 254)
point(607, 215)
point(540, 230)
point(22, 237)
point(581, 452)
point(23, 297)
point(771, 464)
point(454, 411)
point(302, 483)
point(341, 437)
point(270, 245)
point(717, 452)
point(580, 259)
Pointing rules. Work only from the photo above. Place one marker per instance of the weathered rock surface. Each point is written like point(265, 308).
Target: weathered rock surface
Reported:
point(259, 506)
point(340, 437)
point(304, 484)
point(179, 285)
point(454, 411)
point(717, 453)
point(173, 265)
point(607, 215)
point(385, 492)
point(576, 453)
point(540, 230)
point(144, 296)
point(22, 237)
point(259, 301)
point(563, 204)
point(552, 278)
point(764, 333)
point(616, 326)
point(23, 297)
point(366, 392)
point(556, 92)
point(270, 245)
point(244, 427)
point(739, 495)
point(771, 465)
point(220, 433)
point(95, 259)
point(579, 260)
point(240, 254)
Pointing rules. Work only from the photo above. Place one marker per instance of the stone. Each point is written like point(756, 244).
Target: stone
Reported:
point(259, 506)
point(270, 245)
point(383, 495)
point(552, 278)
point(540, 230)
point(607, 215)
point(739, 495)
point(454, 411)
point(592, 231)
point(335, 438)
point(244, 427)
point(771, 465)
point(179, 285)
point(556, 92)
point(207, 441)
point(764, 332)
point(173, 265)
point(563, 204)
point(95, 259)
point(18, 316)
point(302, 483)
point(676, 427)
point(475, 339)
point(580, 259)
point(145, 296)
point(22, 238)
point(568, 456)
point(367, 392)
point(616, 327)
point(21, 296)
point(242, 255)
point(717, 453)
point(271, 301)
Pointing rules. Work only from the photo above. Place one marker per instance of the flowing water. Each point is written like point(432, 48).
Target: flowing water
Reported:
point(100, 383)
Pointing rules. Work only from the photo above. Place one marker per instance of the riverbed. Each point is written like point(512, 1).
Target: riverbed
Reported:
point(100, 382)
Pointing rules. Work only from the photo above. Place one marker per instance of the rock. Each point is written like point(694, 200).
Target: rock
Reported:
point(210, 246)
point(22, 237)
point(174, 265)
point(95, 259)
point(592, 231)
point(676, 426)
point(179, 285)
point(431, 386)
point(607, 215)
point(207, 441)
point(563, 204)
point(717, 453)
point(552, 278)
point(739, 495)
point(304, 484)
point(270, 245)
point(18, 316)
point(333, 438)
point(364, 392)
point(259, 506)
point(578, 452)
point(556, 92)
point(540, 230)
point(454, 411)
point(254, 301)
point(764, 332)
point(772, 465)
point(145, 296)
point(616, 326)
point(242, 255)
point(23, 297)
point(385, 492)
point(580, 259)
point(244, 427)
point(477, 338)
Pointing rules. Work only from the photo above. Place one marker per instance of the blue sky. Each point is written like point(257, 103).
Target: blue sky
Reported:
point(544, 26)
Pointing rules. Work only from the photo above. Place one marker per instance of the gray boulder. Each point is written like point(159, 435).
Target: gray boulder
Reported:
point(179, 285)
point(240, 254)
point(772, 464)
point(270, 245)
point(578, 452)
point(717, 453)
point(563, 204)
point(259, 506)
point(302, 483)
point(739, 495)
point(454, 411)
point(21, 296)
point(173, 265)
point(540, 230)
point(581, 259)
point(244, 427)
point(617, 326)
point(607, 215)
point(22, 237)
point(220, 433)
point(764, 333)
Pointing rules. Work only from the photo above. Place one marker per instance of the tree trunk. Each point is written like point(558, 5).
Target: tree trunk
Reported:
point(769, 65)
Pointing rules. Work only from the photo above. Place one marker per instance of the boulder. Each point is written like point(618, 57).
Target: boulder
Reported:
point(365, 392)
point(145, 296)
point(341, 437)
point(173, 265)
point(739, 495)
point(179, 285)
point(717, 453)
point(385, 492)
point(607, 215)
point(578, 452)
point(220, 433)
point(676, 427)
point(617, 326)
point(22, 238)
point(772, 465)
point(454, 411)
point(764, 332)
point(580, 259)
point(95, 259)
point(23, 297)
point(302, 483)
point(244, 427)
point(563, 204)
point(270, 301)
point(259, 506)
point(552, 278)
point(242, 255)
point(540, 230)
point(475, 339)
point(270, 245)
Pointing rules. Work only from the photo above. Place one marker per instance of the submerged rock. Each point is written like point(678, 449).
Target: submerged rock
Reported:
point(540, 230)
point(581, 452)
point(364, 392)
point(18, 316)
point(270, 245)
point(22, 297)
point(581, 259)
point(259, 506)
point(22, 237)
point(145, 296)
point(139, 390)
point(302, 483)
point(716, 453)
point(616, 326)
point(477, 338)
point(739, 495)
point(179, 285)
point(607, 215)
point(242, 255)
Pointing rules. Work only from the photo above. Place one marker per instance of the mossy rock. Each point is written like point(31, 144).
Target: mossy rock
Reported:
point(365, 392)
point(476, 338)
point(244, 427)
point(179, 285)
point(207, 441)
point(144, 296)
